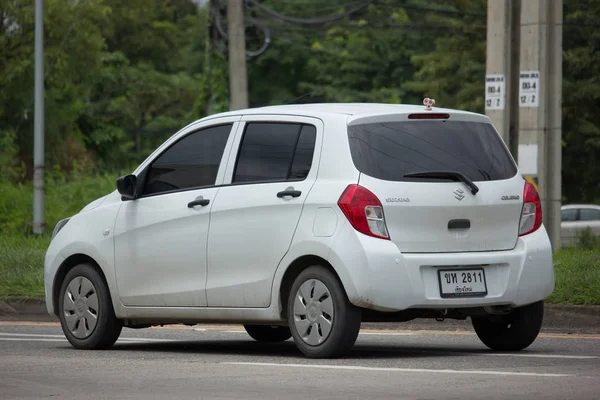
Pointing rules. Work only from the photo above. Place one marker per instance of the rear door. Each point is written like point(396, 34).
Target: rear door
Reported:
point(440, 215)
point(254, 218)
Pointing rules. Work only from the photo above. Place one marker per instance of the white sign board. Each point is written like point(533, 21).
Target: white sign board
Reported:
point(529, 89)
point(528, 158)
point(495, 93)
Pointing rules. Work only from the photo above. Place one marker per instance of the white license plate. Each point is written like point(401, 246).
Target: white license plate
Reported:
point(462, 282)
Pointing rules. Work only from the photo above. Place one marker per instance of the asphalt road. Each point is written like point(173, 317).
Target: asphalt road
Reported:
point(222, 362)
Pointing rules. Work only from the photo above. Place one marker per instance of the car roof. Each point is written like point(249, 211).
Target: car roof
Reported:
point(578, 205)
point(355, 110)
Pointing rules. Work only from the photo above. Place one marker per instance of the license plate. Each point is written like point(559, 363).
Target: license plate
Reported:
point(462, 282)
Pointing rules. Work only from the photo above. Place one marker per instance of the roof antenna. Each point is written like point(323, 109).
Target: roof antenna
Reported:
point(298, 98)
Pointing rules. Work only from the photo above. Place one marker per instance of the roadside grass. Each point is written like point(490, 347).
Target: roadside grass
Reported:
point(22, 257)
point(22, 265)
point(577, 273)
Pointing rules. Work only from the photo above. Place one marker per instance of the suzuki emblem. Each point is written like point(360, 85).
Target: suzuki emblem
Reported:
point(459, 194)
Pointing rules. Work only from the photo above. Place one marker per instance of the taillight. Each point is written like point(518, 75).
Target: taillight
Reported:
point(364, 211)
point(531, 216)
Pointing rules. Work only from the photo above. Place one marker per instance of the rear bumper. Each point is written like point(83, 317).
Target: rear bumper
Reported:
point(378, 276)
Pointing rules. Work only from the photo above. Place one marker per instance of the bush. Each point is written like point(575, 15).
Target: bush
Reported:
point(587, 240)
point(63, 198)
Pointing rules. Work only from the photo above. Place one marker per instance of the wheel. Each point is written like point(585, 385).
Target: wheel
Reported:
point(511, 332)
point(323, 323)
point(85, 310)
point(267, 333)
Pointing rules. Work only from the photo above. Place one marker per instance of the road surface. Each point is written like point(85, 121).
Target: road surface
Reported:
point(222, 362)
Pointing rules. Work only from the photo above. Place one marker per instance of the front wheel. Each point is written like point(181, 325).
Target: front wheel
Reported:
point(323, 322)
point(267, 333)
point(512, 332)
point(85, 310)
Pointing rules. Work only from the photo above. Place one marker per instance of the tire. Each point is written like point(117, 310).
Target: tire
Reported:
point(268, 333)
point(513, 332)
point(318, 297)
point(86, 311)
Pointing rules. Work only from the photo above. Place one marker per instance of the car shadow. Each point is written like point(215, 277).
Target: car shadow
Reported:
point(288, 349)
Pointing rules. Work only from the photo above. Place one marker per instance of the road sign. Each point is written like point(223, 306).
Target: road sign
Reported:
point(495, 92)
point(529, 89)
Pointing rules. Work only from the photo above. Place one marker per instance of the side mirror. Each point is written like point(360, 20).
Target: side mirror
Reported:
point(127, 186)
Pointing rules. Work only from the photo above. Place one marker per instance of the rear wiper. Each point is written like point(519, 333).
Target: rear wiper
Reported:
point(453, 175)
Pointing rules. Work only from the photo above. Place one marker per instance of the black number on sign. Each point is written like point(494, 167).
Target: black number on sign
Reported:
point(480, 277)
point(533, 98)
point(526, 85)
point(523, 99)
point(498, 102)
point(489, 102)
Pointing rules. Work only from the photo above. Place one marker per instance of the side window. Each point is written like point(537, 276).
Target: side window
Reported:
point(304, 153)
point(275, 152)
point(589, 214)
point(191, 162)
point(568, 215)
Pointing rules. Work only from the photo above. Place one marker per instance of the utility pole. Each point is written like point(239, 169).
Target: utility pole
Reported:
point(238, 75)
point(502, 69)
point(38, 139)
point(540, 119)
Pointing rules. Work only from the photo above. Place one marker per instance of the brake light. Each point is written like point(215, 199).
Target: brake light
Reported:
point(531, 215)
point(428, 116)
point(364, 211)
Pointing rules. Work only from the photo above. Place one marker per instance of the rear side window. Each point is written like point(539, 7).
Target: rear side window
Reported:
point(589, 214)
point(273, 152)
point(191, 162)
point(390, 150)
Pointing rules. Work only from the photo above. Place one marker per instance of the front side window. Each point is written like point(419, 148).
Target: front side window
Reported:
point(191, 162)
point(568, 215)
point(274, 152)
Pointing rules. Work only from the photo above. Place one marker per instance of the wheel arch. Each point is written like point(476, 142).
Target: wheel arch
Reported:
point(69, 263)
point(293, 270)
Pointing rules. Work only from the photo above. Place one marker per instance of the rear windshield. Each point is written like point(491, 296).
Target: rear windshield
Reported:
point(391, 150)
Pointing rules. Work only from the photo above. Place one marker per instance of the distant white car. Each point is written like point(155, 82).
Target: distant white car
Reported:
point(304, 220)
point(575, 218)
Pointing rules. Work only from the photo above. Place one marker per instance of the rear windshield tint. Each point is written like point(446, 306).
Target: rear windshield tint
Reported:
point(391, 150)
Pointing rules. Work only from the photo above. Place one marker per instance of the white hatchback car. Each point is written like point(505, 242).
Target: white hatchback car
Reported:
point(304, 220)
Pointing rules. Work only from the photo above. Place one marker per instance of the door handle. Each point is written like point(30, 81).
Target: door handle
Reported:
point(198, 202)
point(289, 192)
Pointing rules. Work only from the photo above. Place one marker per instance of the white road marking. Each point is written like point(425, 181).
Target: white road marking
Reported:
point(31, 340)
point(385, 369)
point(539, 356)
point(33, 336)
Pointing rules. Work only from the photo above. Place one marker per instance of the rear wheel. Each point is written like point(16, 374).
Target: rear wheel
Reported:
point(85, 310)
point(323, 322)
point(511, 332)
point(268, 333)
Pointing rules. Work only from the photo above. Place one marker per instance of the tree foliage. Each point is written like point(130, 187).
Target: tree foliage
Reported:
point(122, 76)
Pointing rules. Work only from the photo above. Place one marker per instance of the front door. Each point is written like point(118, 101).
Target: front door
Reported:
point(254, 219)
point(160, 238)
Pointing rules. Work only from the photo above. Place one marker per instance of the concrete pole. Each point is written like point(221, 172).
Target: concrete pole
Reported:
point(540, 102)
point(497, 58)
point(502, 69)
point(513, 77)
point(38, 138)
point(238, 75)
